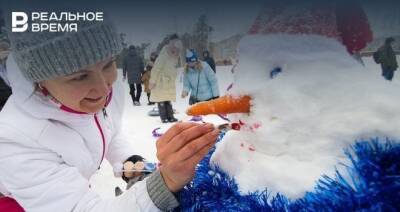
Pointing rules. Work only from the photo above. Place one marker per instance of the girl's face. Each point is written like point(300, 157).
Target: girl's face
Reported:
point(174, 47)
point(86, 90)
point(191, 64)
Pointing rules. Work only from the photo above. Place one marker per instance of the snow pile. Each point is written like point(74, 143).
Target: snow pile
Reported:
point(302, 119)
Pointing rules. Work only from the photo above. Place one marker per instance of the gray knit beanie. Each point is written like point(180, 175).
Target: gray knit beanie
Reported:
point(46, 55)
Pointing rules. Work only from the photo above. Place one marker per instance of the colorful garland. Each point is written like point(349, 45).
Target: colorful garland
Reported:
point(375, 186)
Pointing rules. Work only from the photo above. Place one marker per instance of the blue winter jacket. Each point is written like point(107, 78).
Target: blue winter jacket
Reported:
point(207, 83)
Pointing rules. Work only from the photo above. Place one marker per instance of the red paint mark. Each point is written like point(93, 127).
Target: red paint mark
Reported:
point(251, 148)
point(257, 125)
point(235, 126)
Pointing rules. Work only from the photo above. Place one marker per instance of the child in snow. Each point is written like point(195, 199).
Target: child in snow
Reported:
point(146, 77)
point(199, 79)
point(65, 118)
point(209, 60)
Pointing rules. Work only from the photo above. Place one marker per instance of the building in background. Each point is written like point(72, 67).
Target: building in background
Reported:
point(224, 51)
point(384, 20)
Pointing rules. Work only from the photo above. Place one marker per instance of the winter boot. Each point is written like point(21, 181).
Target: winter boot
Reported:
point(134, 101)
point(163, 112)
point(118, 191)
point(170, 112)
point(148, 99)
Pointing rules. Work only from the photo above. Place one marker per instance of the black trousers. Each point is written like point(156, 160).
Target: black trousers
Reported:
point(165, 110)
point(148, 98)
point(138, 88)
point(387, 74)
point(3, 98)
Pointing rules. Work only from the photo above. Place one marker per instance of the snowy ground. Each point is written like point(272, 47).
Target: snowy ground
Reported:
point(138, 125)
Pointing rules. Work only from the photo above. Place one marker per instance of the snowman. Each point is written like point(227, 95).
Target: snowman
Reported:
point(311, 127)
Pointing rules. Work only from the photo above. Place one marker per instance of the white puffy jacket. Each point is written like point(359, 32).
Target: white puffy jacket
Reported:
point(47, 155)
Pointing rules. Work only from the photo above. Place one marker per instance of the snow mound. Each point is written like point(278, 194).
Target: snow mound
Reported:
point(302, 119)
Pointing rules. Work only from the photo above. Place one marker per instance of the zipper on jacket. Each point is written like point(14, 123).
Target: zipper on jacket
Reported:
point(102, 137)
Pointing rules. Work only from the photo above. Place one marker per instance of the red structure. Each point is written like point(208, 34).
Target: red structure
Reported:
point(353, 26)
point(344, 21)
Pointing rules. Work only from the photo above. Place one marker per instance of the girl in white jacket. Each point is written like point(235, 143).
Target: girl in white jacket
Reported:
point(63, 120)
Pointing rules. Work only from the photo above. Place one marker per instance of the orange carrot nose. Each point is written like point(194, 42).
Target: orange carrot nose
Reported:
point(222, 105)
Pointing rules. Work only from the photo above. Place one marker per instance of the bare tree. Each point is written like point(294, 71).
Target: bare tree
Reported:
point(201, 34)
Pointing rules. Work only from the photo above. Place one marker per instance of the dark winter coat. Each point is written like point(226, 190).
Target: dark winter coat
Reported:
point(387, 58)
point(5, 92)
point(133, 67)
point(210, 62)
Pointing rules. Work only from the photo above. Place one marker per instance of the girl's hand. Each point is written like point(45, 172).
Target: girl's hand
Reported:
point(181, 148)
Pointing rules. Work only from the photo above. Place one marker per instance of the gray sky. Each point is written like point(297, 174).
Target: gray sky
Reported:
point(384, 19)
point(150, 22)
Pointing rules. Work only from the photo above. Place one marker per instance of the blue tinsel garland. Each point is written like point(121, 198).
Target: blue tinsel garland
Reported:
point(375, 186)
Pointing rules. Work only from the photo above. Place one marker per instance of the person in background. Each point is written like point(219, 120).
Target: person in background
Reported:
point(133, 69)
point(387, 59)
point(210, 60)
point(199, 80)
point(65, 118)
point(146, 76)
point(5, 90)
point(163, 78)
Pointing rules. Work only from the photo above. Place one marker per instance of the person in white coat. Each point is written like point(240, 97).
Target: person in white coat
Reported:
point(64, 119)
point(163, 78)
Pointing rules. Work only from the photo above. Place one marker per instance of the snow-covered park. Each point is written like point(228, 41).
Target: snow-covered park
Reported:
point(138, 126)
